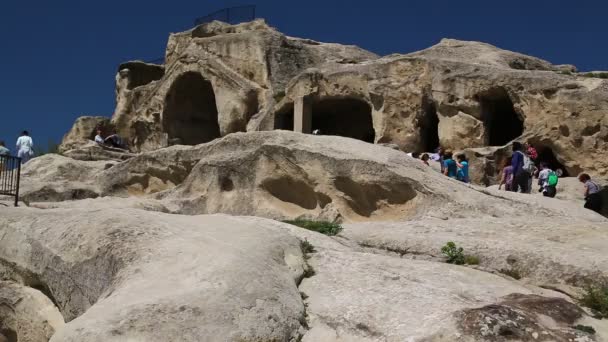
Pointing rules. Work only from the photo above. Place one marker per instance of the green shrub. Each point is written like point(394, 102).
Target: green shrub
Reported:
point(584, 328)
point(596, 298)
point(511, 272)
point(323, 227)
point(453, 254)
point(306, 247)
point(471, 260)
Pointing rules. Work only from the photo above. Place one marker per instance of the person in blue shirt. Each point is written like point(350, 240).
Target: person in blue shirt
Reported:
point(463, 168)
point(450, 168)
point(520, 177)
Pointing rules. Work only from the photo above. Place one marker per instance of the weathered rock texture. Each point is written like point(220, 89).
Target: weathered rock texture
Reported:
point(26, 314)
point(123, 268)
point(220, 79)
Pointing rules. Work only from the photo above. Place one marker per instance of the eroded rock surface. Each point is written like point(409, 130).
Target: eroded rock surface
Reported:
point(120, 275)
point(26, 314)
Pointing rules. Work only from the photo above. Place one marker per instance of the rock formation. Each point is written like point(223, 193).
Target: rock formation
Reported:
point(185, 243)
point(219, 79)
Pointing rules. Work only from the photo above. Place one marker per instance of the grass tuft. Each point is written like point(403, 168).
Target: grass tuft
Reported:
point(596, 299)
point(323, 227)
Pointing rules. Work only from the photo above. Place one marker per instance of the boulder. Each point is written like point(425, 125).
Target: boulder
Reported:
point(26, 314)
point(53, 177)
point(294, 175)
point(126, 274)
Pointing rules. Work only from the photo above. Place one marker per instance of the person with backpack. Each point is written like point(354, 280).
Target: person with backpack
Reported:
point(450, 168)
point(523, 167)
point(593, 198)
point(547, 179)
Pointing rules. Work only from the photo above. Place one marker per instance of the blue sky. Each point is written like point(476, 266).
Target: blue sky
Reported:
point(59, 58)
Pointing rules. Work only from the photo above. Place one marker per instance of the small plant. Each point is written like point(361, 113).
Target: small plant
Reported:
point(453, 254)
point(511, 272)
point(596, 299)
point(323, 227)
point(584, 328)
point(471, 260)
point(307, 247)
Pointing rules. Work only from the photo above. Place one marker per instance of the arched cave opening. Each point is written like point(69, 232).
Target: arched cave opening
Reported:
point(501, 121)
point(429, 128)
point(345, 117)
point(545, 154)
point(283, 119)
point(190, 115)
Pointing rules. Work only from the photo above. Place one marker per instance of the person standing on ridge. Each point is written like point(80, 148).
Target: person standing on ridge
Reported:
point(25, 147)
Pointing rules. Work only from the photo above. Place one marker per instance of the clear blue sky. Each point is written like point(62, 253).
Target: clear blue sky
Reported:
point(59, 57)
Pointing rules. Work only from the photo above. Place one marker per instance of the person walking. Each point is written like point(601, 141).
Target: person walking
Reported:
point(450, 168)
point(25, 147)
point(593, 198)
point(507, 175)
point(3, 150)
point(547, 179)
point(463, 168)
point(521, 169)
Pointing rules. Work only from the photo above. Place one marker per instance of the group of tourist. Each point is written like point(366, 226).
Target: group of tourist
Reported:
point(24, 145)
point(518, 173)
point(457, 169)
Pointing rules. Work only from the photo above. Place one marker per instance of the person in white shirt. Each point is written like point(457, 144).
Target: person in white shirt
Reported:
point(99, 138)
point(25, 147)
point(543, 181)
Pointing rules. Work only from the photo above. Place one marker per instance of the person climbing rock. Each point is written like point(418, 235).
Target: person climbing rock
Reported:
point(522, 169)
point(506, 178)
point(25, 147)
point(593, 198)
point(463, 168)
point(547, 179)
point(450, 168)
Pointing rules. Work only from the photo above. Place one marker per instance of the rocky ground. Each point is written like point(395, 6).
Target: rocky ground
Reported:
point(186, 244)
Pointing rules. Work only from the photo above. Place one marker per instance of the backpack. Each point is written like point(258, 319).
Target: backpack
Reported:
point(552, 179)
point(528, 163)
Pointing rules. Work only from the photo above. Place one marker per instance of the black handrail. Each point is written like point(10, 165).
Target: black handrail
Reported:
point(231, 15)
point(10, 176)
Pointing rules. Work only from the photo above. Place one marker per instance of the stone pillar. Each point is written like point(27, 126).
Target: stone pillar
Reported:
point(302, 115)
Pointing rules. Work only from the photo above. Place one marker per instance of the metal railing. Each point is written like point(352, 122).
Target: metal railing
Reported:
point(10, 174)
point(231, 15)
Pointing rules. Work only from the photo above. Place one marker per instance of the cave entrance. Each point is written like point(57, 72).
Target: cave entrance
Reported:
point(190, 115)
point(345, 117)
point(545, 154)
point(429, 128)
point(502, 123)
point(284, 119)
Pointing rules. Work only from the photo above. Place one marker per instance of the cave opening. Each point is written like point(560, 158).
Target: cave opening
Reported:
point(345, 117)
point(284, 119)
point(501, 121)
point(429, 128)
point(190, 115)
point(546, 155)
